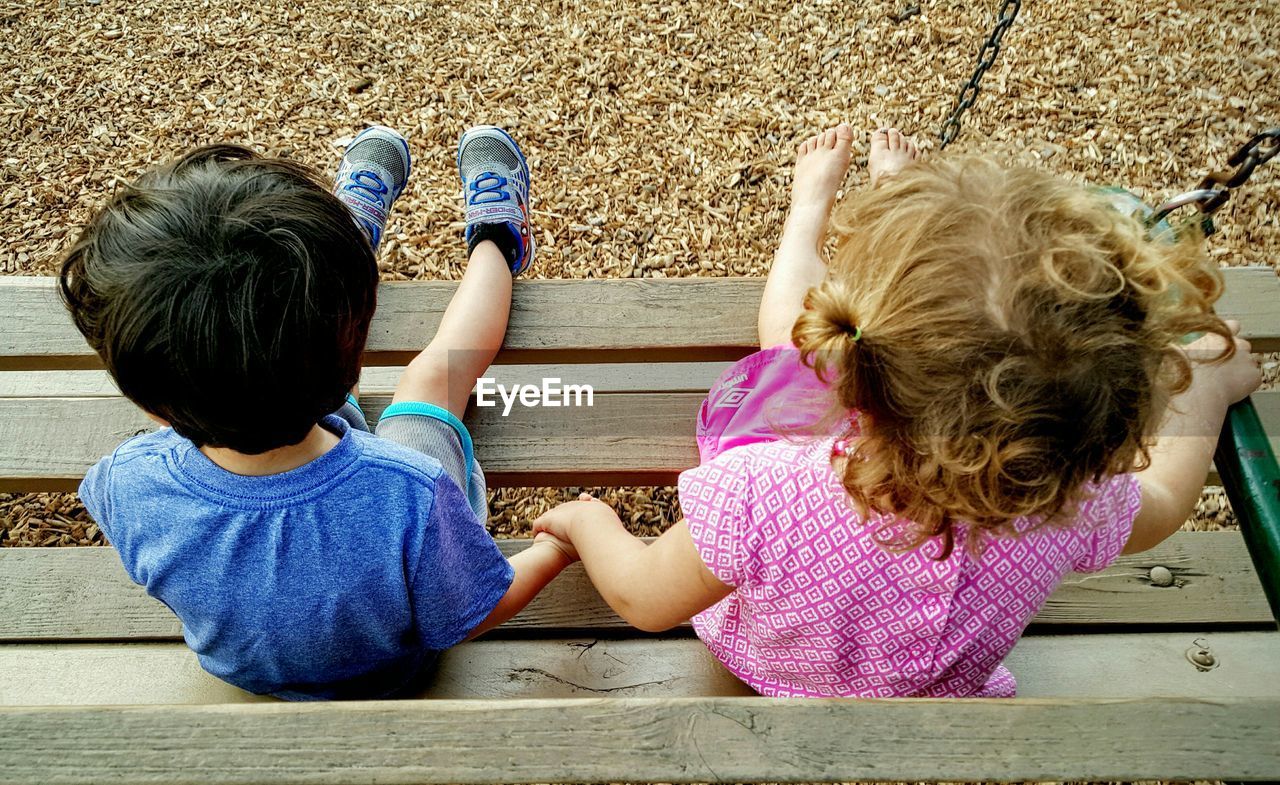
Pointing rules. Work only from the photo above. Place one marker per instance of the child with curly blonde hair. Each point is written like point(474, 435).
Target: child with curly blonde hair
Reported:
point(997, 352)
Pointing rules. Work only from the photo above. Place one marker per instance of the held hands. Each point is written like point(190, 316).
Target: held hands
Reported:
point(565, 549)
point(559, 521)
point(558, 538)
point(1232, 380)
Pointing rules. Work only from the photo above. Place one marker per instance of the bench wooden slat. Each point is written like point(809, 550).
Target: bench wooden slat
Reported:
point(557, 321)
point(551, 321)
point(83, 594)
point(646, 740)
point(1064, 666)
point(609, 377)
point(639, 439)
point(624, 439)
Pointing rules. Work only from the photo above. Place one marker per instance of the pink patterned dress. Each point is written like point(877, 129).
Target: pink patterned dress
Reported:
point(819, 608)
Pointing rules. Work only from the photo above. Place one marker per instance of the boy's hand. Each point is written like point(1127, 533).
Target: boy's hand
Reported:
point(559, 521)
point(565, 548)
point(1232, 380)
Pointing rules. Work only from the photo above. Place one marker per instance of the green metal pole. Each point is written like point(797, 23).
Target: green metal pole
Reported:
point(1251, 479)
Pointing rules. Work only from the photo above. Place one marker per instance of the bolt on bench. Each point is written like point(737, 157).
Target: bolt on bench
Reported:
point(1165, 666)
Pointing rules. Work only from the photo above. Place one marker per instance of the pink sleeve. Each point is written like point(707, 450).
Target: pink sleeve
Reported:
point(1106, 521)
point(713, 499)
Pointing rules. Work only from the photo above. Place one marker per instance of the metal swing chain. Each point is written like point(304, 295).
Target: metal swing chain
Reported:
point(1215, 189)
point(986, 58)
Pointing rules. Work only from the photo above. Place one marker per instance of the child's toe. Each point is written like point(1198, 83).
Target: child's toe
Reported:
point(844, 133)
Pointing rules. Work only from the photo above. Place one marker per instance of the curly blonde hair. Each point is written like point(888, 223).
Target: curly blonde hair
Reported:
point(1018, 342)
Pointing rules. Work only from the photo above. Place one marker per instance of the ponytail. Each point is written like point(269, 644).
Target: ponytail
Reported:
point(827, 332)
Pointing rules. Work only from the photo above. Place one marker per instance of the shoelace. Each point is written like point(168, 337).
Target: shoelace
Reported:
point(488, 184)
point(358, 182)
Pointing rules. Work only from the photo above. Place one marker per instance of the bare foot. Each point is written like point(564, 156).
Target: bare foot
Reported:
point(821, 163)
point(891, 152)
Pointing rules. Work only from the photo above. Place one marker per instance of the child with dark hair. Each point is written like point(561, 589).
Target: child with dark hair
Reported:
point(229, 296)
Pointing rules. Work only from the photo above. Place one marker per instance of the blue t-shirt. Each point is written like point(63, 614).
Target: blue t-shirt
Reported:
point(340, 579)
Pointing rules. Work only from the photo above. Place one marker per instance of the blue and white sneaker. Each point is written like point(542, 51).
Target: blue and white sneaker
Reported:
point(372, 175)
point(495, 182)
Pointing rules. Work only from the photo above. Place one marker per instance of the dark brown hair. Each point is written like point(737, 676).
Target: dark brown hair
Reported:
point(228, 294)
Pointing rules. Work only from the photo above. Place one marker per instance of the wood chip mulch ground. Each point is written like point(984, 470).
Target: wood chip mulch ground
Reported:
point(661, 134)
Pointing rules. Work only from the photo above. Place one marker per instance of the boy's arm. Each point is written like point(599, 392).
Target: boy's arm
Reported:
point(653, 587)
point(534, 567)
point(1182, 453)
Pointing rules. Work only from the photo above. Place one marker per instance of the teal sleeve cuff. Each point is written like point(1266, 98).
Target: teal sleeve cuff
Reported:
point(351, 399)
point(443, 415)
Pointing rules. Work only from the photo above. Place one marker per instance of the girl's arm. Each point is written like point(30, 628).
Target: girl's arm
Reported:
point(535, 567)
point(653, 587)
point(1182, 453)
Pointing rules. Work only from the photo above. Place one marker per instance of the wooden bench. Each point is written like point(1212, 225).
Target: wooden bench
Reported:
point(1124, 675)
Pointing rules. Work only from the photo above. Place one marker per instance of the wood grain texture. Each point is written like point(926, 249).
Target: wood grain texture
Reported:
point(1066, 666)
point(83, 594)
point(48, 444)
point(38, 333)
point(57, 384)
point(557, 321)
point(646, 740)
point(624, 438)
point(607, 377)
point(551, 321)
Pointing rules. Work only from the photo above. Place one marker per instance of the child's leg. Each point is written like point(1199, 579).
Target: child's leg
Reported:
point(821, 164)
point(373, 173)
point(469, 337)
point(495, 182)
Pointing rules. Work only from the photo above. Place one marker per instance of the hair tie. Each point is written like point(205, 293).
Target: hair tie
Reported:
point(855, 334)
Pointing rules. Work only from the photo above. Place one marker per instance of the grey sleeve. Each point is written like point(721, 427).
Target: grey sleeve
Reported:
point(353, 414)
